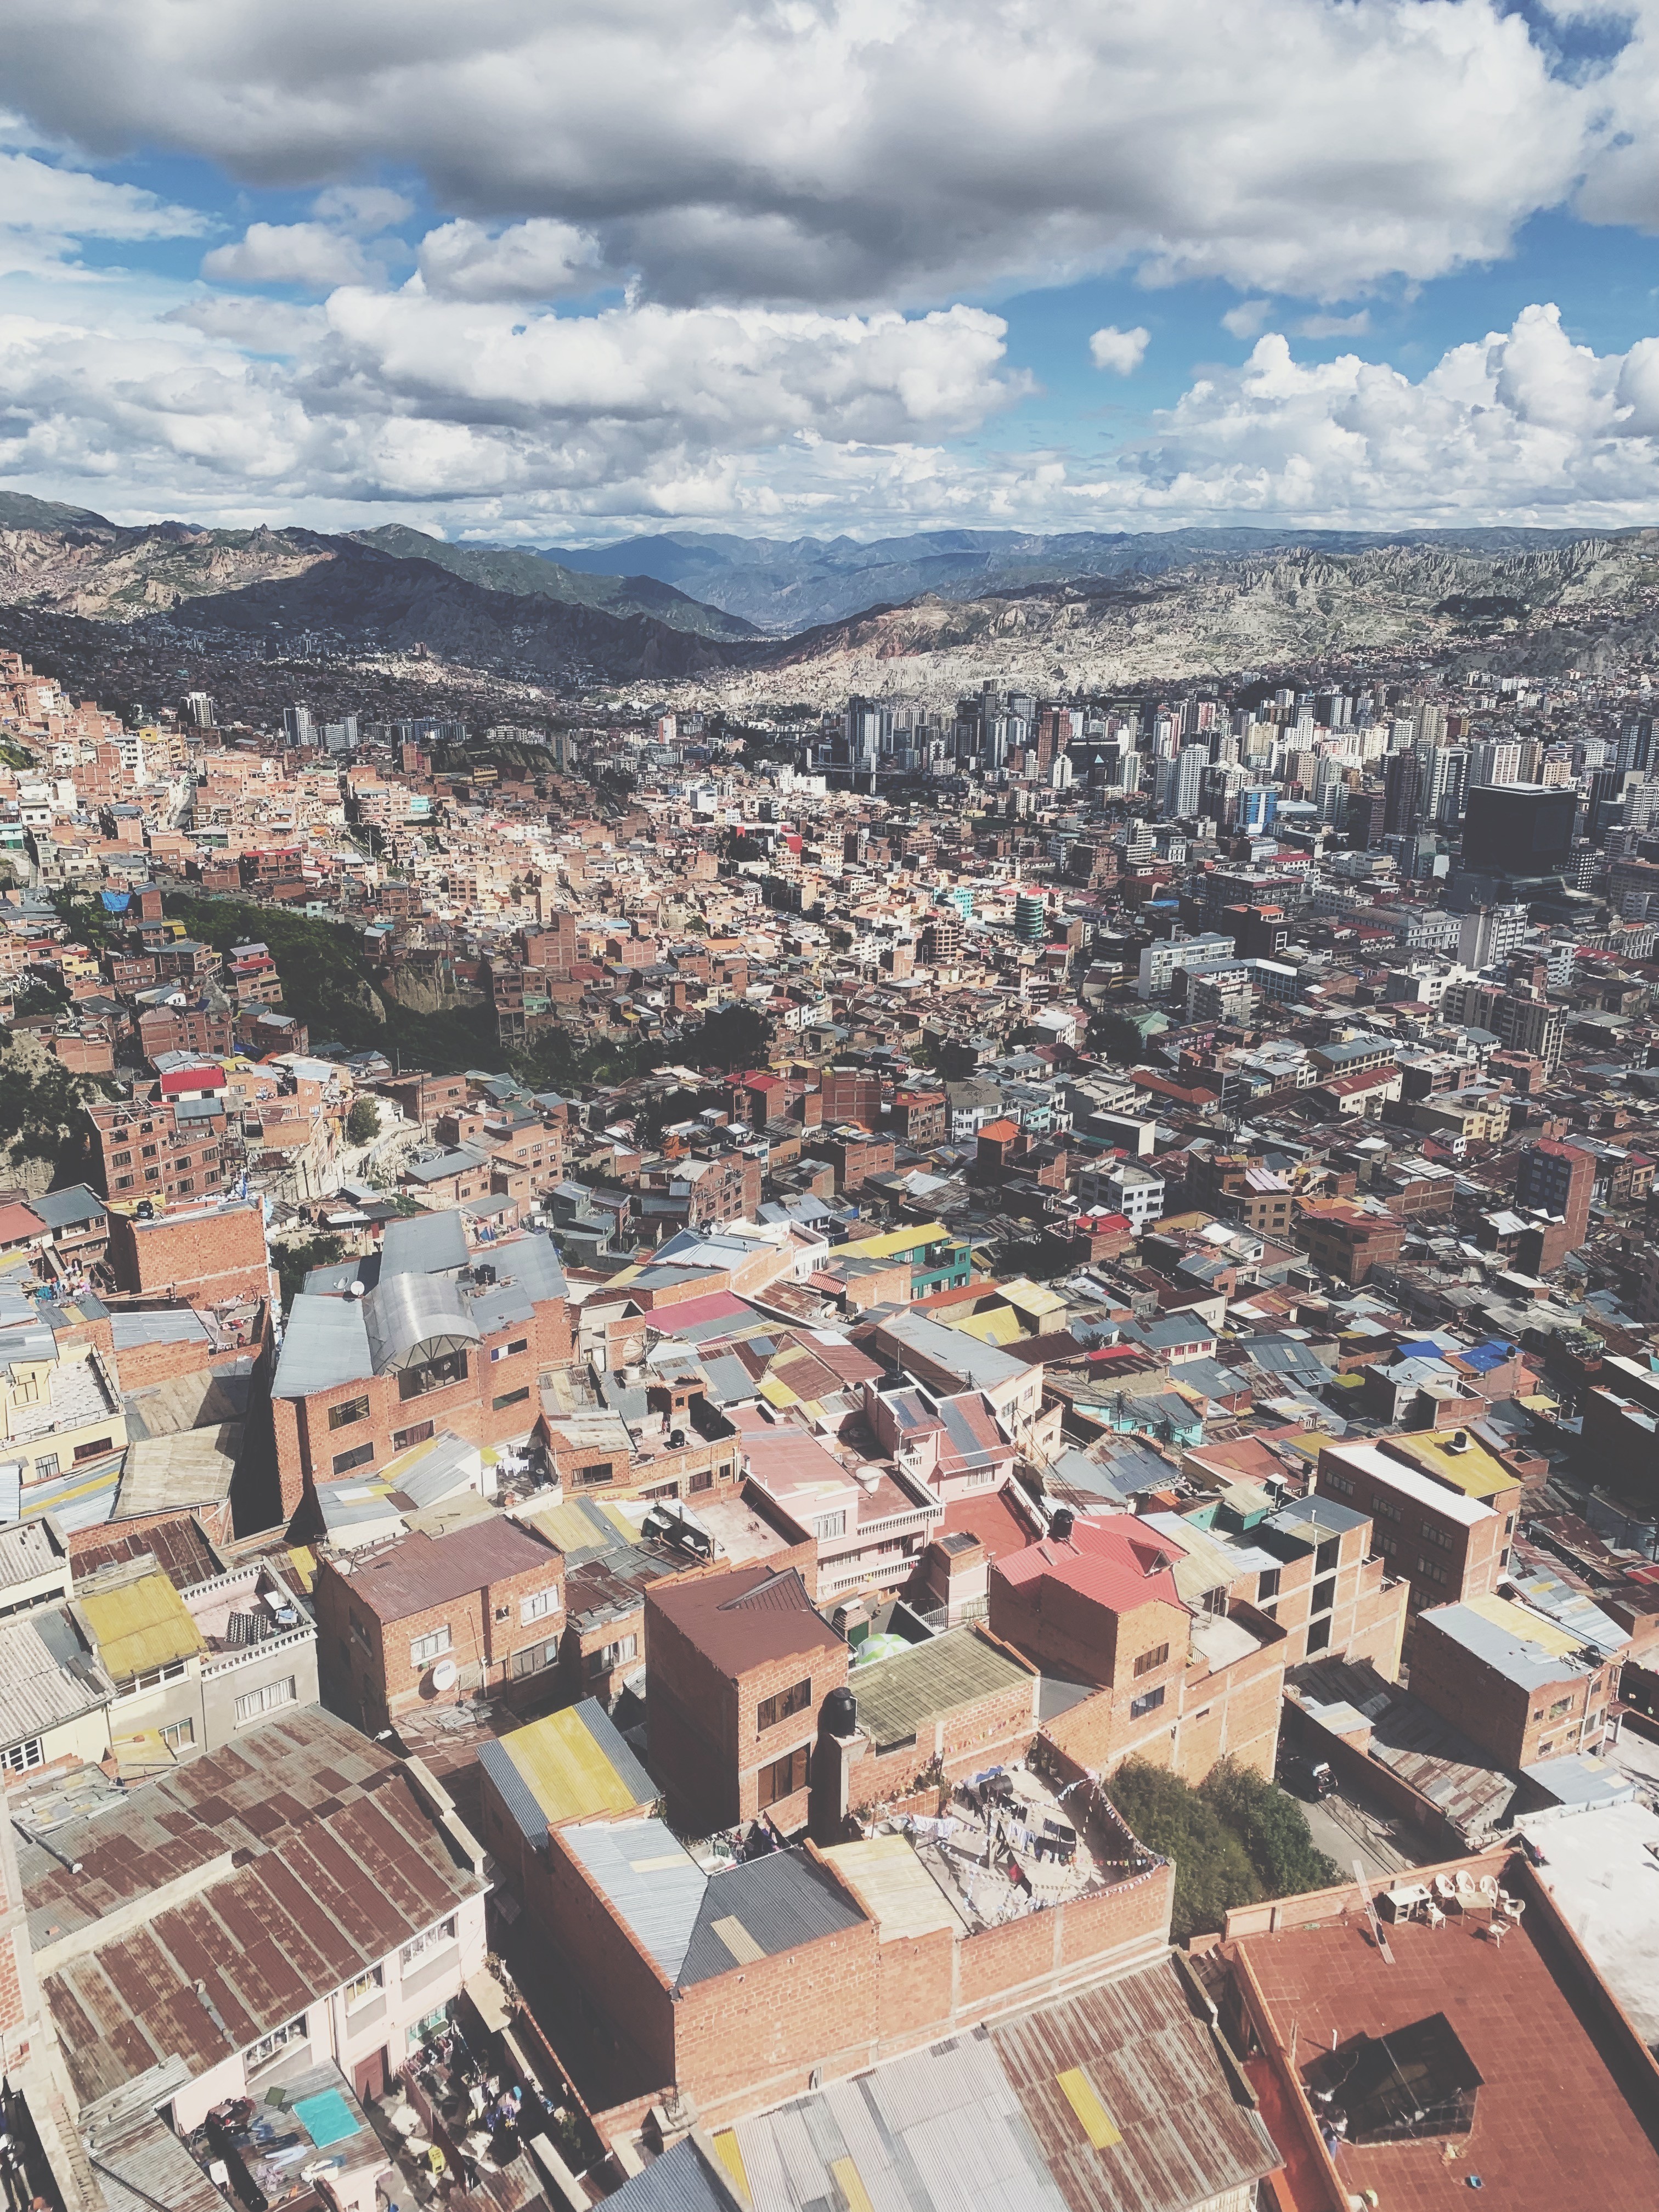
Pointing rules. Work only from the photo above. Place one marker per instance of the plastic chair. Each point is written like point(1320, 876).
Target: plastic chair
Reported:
point(1433, 1915)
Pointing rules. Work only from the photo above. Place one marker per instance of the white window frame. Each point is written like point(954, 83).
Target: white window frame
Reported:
point(428, 1940)
point(423, 1650)
point(24, 1757)
point(363, 1987)
point(179, 1735)
point(253, 1704)
point(260, 2053)
point(539, 1605)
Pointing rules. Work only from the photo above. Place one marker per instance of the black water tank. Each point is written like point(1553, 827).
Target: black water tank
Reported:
point(839, 1714)
point(1061, 1527)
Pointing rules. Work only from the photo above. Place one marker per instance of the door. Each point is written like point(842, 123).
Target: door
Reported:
point(369, 2076)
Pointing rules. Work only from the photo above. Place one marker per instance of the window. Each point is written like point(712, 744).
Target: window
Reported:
point(432, 1374)
point(21, 1757)
point(95, 1450)
point(1324, 1596)
point(1319, 1635)
point(278, 2039)
point(1339, 1483)
point(538, 1604)
point(1560, 1706)
point(507, 1350)
point(1148, 1702)
point(613, 1654)
point(1441, 1536)
point(1430, 1570)
point(123, 1182)
point(429, 1646)
point(359, 1455)
point(587, 1476)
point(149, 1151)
point(366, 1986)
point(534, 1657)
point(1156, 1657)
point(404, 1440)
point(179, 1735)
point(343, 1416)
point(1326, 1556)
point(423, 1945)
point(509, 1398)
point(1267, 1584)
point(829, 1524)
point(1385, 1509)
point(786, 1703)
point(255, 1703)
point(121, 1159)
point(702, 1480)
point(45, 1466)
point(783, 1778)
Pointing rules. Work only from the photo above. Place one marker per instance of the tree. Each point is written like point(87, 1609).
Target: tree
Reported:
point(1213, 1871)
point(362, 1123)
point(295, 1261)
point(1272, 1828)
point(736, 1036)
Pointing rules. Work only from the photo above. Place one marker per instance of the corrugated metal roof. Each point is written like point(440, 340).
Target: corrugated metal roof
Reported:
point(28, 1550)
point(141, 1625)
point(404, 1314)
point(656, 1886)
point(575, 1763)
point(423, 1245)
point(777, 1903)
point(898, 1696)
point(44, 1687)
point(326, 1342)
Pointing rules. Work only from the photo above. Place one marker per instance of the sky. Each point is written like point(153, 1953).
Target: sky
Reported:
point(562, 271)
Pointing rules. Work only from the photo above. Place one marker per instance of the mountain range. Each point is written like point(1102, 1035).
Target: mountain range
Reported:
point(762, 621)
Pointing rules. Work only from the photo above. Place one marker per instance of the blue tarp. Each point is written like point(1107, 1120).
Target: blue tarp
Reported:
point(116, 901)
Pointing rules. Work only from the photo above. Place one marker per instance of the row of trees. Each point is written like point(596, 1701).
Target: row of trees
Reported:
point(1235, 1839)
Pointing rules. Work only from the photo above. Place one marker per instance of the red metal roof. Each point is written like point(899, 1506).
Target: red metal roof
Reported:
point(204, 1078)
point(1112, 1559)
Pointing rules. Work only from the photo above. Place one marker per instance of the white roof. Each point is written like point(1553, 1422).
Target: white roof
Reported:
point(1409, 1482)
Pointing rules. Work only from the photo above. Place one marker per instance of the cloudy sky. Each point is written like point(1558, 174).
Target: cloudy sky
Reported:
point(555, 271)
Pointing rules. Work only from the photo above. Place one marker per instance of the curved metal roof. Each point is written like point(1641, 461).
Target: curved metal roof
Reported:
point(415, 1317)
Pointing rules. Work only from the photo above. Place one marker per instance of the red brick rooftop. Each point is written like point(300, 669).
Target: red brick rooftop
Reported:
point(1556, 2124)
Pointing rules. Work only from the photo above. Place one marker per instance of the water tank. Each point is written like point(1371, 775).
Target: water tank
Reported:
point(1060, 1526)
point(839, 1714)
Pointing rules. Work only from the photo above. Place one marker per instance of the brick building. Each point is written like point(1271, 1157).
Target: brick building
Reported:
point(1348, 1240)
point(1448, 1547)
point(1558, 1181)
point(205, 1253)
point(919, 1118)
point(432, 1620)
point(854, 1154)
point(1096, 1602)
point(433, 1340)
point(1526, 1688)
point(151, 1146)
point(736, 1667)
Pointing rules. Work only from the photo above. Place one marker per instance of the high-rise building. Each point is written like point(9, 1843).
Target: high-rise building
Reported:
point(1030, 918)
point(1556, 1179)
point(1190, 778)
point(1635, 743)
point(1403, 777)
point(199, 710)
point(1519, 829)
point(297, 726)
point(1445, 781)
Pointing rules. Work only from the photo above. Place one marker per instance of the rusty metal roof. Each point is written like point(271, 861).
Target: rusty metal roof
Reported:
point(316, 1858)
point(743, 1619)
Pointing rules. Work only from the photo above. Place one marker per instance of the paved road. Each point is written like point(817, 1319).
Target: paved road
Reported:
point(1349, 1830)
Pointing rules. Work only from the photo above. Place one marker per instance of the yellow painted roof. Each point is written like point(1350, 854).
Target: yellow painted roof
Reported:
point(1000, 1326)
point(141, 1625)
point(566, 1772)
point(778, 1394)
point(303, 1560)
point(894, 1887)
point(1476, 1472)
point(1518, 1620)
point(890, 1245)
point(1031, 1297)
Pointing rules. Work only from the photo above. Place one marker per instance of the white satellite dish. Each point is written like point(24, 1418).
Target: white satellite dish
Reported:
point(446, 1675)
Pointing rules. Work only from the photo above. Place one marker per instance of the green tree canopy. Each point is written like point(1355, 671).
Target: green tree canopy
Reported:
point(363, 1121)
point(1212, 1870)
point(1273, 1826)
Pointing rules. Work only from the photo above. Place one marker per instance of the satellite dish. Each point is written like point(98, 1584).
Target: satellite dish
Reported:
point(446, 1675)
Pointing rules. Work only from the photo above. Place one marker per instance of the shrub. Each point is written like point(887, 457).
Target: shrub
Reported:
point(1213, 1871)
point(1274, 1829)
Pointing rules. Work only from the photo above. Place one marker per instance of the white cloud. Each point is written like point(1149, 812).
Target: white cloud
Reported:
point(1522, 426)
point(306, 253)
point(1248, 317)
point(534, 260)
point(45, 211)
point(849, 152)
point(1334, 327)
point(367, 209)
point(1121, 351)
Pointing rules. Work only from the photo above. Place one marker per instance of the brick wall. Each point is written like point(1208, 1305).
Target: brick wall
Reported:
point(365, 1665)
point(202, 1254)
